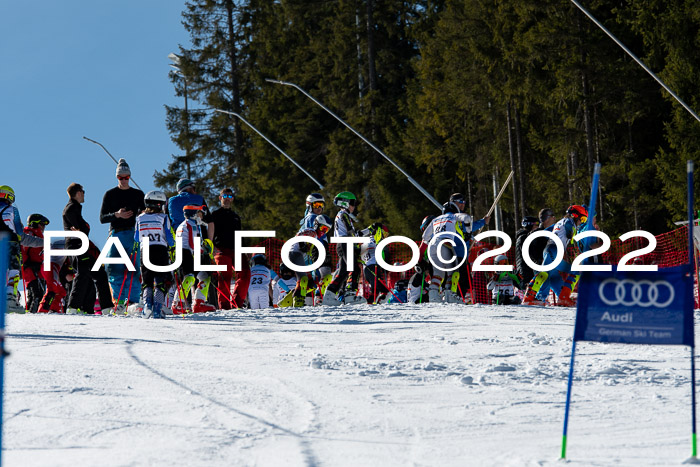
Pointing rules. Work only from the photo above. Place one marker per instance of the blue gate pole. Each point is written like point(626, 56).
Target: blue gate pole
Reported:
point(4, 264)
point(568, 400)
point(691, 254)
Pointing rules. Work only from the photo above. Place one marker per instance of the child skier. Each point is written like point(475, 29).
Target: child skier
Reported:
point(188, 230)
point(344, 227)
point(11, 223)
point(56, 292)
point(451, 225)
point(503, 284)
point(32, 259)
point(371, 272)
point(261, 276)
point(298, 255)
point(286, 282)
point(560, 279)
point(154, 224)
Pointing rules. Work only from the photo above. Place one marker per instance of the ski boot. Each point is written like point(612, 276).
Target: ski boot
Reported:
point(200, 306)
point(287, 300)
point(534, 287)
point(299, 302)
point(452, 297)
point(351, 299)
point(158, 311)
point(330, 299)
point(381, 298)
point(565, 298)
point(13, 305)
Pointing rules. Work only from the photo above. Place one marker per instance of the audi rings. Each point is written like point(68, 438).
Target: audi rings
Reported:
point(621, 292)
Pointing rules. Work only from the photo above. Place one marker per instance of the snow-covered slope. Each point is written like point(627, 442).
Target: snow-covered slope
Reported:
point(435, 385)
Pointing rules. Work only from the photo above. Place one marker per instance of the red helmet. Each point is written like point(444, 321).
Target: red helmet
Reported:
point(578, 212)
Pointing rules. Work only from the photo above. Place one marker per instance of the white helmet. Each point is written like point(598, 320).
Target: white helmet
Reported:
point(323, 220)
point(155, 199)
point(315, 198)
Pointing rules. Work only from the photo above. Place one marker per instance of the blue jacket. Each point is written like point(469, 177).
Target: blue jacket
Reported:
point(176, 203)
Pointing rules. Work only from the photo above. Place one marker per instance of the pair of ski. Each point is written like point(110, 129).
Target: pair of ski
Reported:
point(288, 299)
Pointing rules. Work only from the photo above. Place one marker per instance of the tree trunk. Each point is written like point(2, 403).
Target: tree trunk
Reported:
point(519, 152)
point(360, 78)
point(511, 151)
point(234, 82)
point(585, 94)
point(371, 52)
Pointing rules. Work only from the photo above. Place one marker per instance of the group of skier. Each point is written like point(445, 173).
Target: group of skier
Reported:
point(148, 225)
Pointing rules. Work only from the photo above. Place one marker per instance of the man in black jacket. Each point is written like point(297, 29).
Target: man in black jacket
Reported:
point(529, 224)
point(120, 206)
point(547, 221)
point(223, 224)
point(82, 264)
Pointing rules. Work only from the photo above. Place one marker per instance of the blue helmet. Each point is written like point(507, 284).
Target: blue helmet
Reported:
point(258, 259)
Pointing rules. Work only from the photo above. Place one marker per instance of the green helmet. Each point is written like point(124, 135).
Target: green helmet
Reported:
point(345, 200)
point(7, 193)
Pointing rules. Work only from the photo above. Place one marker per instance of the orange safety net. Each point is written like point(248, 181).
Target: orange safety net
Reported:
point(671, 250)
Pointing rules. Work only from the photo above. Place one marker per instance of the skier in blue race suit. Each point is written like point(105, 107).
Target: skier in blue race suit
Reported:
point(560, 279)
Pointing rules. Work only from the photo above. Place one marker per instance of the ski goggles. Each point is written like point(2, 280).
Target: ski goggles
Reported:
point(318, 205)
point(227, 196)
point(123, 177)
point(584, 219)
point(459, 200)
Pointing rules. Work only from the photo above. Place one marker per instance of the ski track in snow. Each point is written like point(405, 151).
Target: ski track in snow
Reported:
point(364, 385)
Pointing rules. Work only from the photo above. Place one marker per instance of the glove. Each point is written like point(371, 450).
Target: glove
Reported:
point(208, 248)
point(313, 254)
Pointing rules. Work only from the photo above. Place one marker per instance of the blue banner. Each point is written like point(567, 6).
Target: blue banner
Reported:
point(636, 307)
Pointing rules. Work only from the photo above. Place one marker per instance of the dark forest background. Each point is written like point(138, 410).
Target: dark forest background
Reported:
point(456, 92)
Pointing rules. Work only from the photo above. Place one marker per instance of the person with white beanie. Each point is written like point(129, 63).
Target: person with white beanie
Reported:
point(120, 206)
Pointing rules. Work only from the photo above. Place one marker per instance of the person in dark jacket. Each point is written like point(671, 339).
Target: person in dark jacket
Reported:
point(82, 264)
point(120, 206)
point(223, 224)
point(529, 224)
point(547, 221)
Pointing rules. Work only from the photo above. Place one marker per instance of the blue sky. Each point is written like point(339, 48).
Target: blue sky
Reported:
point(84, 68)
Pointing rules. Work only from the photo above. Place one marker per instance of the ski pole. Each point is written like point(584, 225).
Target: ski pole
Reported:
point(231, 302)
point(498, 198)
point(128, 293)
point(180, 293)
point(110, 155)
point(24, 283)
point(469, 276)
point(422, 281)
point(385, 286)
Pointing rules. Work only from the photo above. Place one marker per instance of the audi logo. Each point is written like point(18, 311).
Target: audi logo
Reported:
point(634, 296)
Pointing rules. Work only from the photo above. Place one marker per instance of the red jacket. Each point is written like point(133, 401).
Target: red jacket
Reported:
point(32, 258)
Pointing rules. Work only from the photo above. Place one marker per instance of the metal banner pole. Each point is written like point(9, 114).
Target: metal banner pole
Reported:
point(110, 155)
point(691, 225)
point(4, 263)
point(272, 144)
point(410, 179)
point(568, 400)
